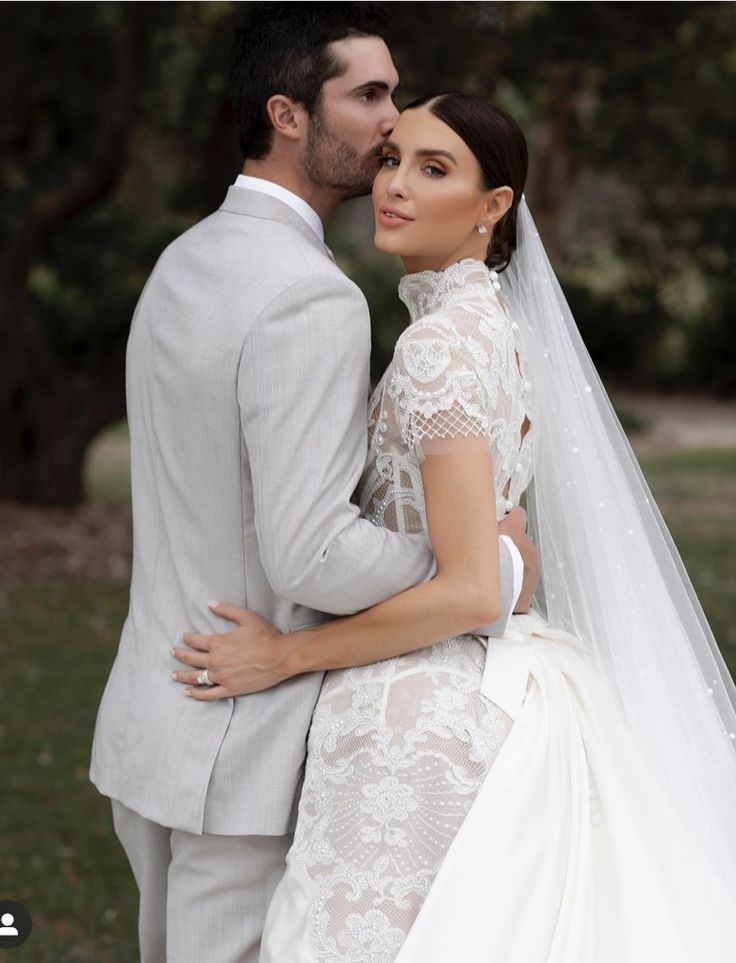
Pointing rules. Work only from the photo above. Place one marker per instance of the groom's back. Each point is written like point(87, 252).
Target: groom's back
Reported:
point(195, 533)
point(188, 462)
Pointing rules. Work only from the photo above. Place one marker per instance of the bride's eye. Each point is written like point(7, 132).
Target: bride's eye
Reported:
point(388, 160)
point(434, 170)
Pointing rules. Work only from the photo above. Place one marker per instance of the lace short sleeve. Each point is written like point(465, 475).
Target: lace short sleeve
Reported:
point(440, 400)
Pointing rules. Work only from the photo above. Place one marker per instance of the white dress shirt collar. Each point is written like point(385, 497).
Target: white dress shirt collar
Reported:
point(296, 203)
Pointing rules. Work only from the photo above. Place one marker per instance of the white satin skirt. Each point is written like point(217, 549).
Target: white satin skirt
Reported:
point(563, 848)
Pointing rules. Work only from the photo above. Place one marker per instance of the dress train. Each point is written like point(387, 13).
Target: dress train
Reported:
point(570, 852)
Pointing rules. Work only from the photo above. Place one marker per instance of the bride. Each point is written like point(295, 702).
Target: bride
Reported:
point(569, 793)
point(564, 794)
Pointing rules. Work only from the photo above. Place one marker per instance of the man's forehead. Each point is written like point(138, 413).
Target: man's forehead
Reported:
point(366, 60)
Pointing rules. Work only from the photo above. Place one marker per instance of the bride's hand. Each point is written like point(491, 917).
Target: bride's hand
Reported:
point(249, 658)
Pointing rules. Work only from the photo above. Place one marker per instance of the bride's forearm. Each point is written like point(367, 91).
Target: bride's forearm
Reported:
point(463, 595)
point(419, 617)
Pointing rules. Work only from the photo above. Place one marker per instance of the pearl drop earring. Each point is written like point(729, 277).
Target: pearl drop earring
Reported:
point(482, 229)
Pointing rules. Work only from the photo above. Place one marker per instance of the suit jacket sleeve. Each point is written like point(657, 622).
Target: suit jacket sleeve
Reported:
point(302, 388)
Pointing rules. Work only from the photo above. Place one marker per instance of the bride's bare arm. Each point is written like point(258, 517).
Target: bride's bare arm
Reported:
point(465, 593)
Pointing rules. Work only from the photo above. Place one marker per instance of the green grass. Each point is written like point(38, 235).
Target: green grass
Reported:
point(58, 852)
point(107, 466)
point(696, 493)
point(631, 421)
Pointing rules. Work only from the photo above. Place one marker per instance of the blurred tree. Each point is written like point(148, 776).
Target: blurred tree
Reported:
point(627, 110)
point(115, 126)
point(61, 154)
point(645, 224)
point(116, 136)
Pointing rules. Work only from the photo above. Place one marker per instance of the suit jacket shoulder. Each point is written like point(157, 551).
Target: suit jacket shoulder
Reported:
point(249, 252)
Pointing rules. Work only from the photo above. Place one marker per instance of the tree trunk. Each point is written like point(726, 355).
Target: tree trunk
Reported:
point(556, 167)
point(49, 414)
point(42, 455)
point(49, 411)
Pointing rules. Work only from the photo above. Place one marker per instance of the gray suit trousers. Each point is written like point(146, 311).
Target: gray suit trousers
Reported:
point(203, 898)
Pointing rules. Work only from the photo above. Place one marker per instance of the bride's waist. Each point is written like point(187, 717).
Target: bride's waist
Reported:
point(460, 654)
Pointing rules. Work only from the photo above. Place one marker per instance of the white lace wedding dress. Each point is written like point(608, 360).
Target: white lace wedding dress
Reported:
point(473, 802)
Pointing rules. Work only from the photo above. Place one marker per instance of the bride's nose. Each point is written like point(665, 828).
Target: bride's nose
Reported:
point(397, 185)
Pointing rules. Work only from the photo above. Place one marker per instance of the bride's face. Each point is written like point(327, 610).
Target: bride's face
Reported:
point(428, 196)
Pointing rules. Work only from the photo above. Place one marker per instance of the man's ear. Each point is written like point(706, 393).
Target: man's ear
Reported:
point(287, 118)
point(496, 203)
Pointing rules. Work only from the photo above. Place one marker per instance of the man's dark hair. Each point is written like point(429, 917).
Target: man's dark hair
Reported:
point(282, 48)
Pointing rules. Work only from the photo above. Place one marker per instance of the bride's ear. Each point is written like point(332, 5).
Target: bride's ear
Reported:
point(495, 205)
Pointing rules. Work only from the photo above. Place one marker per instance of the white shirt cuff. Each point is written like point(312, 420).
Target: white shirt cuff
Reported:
point(518, 565)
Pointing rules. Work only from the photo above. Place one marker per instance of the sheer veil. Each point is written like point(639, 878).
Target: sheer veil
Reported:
point(611, 573)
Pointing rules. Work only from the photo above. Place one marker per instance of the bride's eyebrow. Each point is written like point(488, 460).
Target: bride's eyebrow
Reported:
point(431, 152)
point(422, 152)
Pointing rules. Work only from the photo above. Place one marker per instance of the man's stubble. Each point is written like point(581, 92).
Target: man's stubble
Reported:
point(330, 161)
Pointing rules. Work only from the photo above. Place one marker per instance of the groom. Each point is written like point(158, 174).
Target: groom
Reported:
point(247, 383)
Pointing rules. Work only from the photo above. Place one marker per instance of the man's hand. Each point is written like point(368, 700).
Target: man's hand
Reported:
point(248, 659)
point(514, 525)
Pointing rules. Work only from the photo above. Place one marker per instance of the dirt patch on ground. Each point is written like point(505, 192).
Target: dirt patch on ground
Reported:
point(678, 423)
point(95, 541)
point(91, 541)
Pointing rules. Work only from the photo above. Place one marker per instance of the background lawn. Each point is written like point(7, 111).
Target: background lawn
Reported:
point(58, 853)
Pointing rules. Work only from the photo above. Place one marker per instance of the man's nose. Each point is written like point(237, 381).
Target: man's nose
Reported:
point(389, 121)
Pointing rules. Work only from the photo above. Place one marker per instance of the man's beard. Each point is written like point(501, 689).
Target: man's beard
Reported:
point(331, 162)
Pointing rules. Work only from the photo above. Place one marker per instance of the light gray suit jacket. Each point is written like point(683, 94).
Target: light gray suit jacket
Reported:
point(247, 387)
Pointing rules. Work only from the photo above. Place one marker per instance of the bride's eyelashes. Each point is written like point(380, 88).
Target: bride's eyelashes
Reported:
point(430, 168)
point(388, 160)
point(434, 170)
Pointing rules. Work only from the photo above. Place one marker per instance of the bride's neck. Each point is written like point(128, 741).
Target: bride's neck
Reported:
point(415, 265)
point(475, 248)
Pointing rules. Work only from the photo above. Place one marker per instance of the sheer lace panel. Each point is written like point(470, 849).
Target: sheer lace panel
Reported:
point(398, 749)
point(397, 753)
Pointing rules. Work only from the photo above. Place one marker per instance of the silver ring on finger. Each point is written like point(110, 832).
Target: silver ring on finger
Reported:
point(204, 678)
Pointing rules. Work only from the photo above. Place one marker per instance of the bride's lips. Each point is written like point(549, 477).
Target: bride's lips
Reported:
point(390, 217)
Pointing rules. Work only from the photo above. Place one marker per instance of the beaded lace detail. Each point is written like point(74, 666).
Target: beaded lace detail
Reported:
point(398, 750)
point(457, 371)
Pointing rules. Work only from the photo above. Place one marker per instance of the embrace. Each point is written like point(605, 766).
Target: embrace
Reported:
point(410, 731)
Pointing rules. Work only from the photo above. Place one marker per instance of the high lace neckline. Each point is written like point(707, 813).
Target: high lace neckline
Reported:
point(428, 291)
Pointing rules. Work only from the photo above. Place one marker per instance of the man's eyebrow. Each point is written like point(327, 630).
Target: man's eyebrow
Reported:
point(372, 85)
point(423, 152)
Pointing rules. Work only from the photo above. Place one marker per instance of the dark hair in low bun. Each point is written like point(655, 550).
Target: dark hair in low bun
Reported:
point(499, 147)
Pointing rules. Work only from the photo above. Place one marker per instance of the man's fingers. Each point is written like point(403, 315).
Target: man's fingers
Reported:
point(226, 610)
point(514, 524)
point(518, 515)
